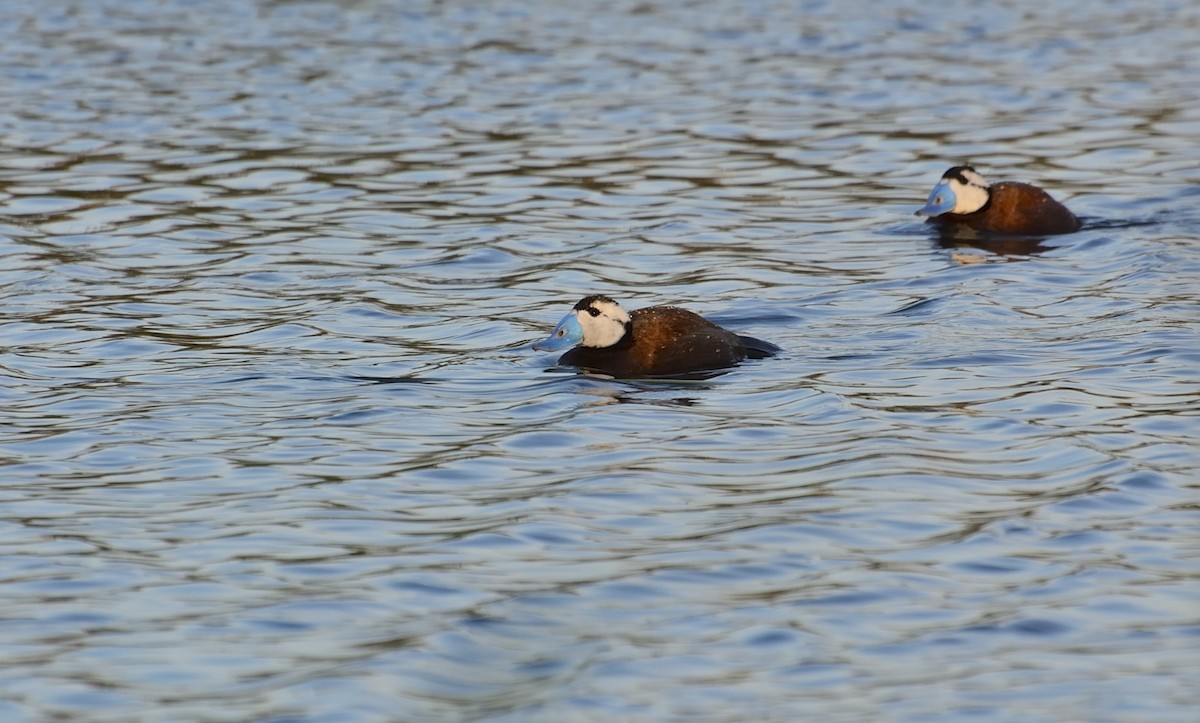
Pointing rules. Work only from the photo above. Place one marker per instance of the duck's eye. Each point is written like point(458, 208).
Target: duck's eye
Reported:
point(561, 332)
point(937, 200)
point(593, 311)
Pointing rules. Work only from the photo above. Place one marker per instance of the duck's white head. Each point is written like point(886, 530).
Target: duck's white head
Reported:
point(596, 321)
point(961, 190)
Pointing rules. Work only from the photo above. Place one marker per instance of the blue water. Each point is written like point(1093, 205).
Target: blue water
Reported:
point(273, 445)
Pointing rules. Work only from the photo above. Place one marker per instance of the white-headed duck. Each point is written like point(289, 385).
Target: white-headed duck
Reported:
point(657, 341)
point(962, 197)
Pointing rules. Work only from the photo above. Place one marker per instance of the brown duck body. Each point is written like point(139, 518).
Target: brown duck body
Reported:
point(668, 341)
point(1015, 208)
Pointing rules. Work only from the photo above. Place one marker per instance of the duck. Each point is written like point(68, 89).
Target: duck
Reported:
point(656, 341)
point(962, 198)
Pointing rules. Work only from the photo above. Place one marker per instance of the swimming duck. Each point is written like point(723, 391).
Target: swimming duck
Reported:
point(962, 197)
point(652, 342)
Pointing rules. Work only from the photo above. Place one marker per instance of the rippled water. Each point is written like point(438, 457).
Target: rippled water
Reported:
point(274, 447)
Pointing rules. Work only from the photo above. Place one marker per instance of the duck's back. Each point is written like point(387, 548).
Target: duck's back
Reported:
point(1021, 208)
point(665, 341)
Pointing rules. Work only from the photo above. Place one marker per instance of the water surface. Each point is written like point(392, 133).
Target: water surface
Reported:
point(273, 445)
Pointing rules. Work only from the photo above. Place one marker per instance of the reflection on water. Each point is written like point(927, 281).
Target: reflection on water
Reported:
point(954, 238)
point(273, 441)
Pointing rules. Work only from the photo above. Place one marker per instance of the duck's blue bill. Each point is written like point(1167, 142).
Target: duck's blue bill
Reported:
point(941, 199)
point(568, 333)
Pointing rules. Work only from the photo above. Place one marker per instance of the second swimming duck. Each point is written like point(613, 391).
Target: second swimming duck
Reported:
point(656, 341)
point(962, 197)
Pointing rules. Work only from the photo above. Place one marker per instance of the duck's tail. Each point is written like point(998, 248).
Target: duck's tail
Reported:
point(757, 348)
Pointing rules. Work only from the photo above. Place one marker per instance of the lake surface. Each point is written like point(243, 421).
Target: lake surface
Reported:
point(273, 445)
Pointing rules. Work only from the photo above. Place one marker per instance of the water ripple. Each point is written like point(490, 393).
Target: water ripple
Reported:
point(274, 442)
